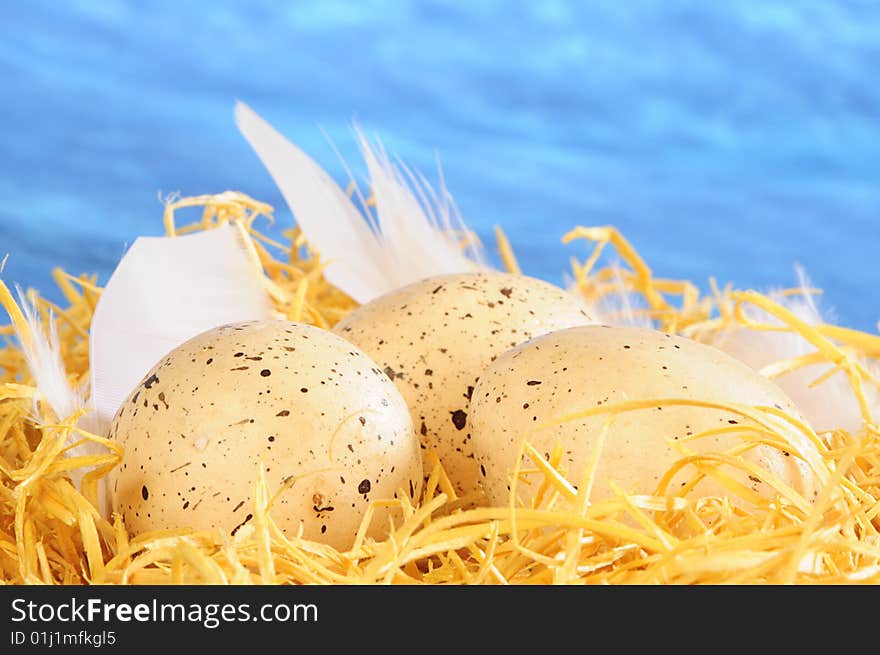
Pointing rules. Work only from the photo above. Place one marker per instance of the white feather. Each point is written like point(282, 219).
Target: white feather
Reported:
point(43, 357)
point(418, 234)
point(410, 236)
point(826, 406)
point(42, 352)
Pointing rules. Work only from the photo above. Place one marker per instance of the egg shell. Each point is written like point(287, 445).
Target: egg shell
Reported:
point(435, 337)
point(330, 428)
point(581, 368)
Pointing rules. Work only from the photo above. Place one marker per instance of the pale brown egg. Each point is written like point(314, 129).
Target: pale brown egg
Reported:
point(330, 428)
point(565, 372)
point(435, 337)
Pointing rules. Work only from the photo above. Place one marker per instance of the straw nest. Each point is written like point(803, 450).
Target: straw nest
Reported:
point(50, 531)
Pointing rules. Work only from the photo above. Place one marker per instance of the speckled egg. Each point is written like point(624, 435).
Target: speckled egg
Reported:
point(572, 370)
point(435, 337)
point(330, 428)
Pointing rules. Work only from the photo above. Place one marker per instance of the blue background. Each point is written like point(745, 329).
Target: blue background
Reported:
point(724, 138)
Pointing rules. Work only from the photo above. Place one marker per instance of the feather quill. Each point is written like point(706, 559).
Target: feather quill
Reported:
point(410, 236)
